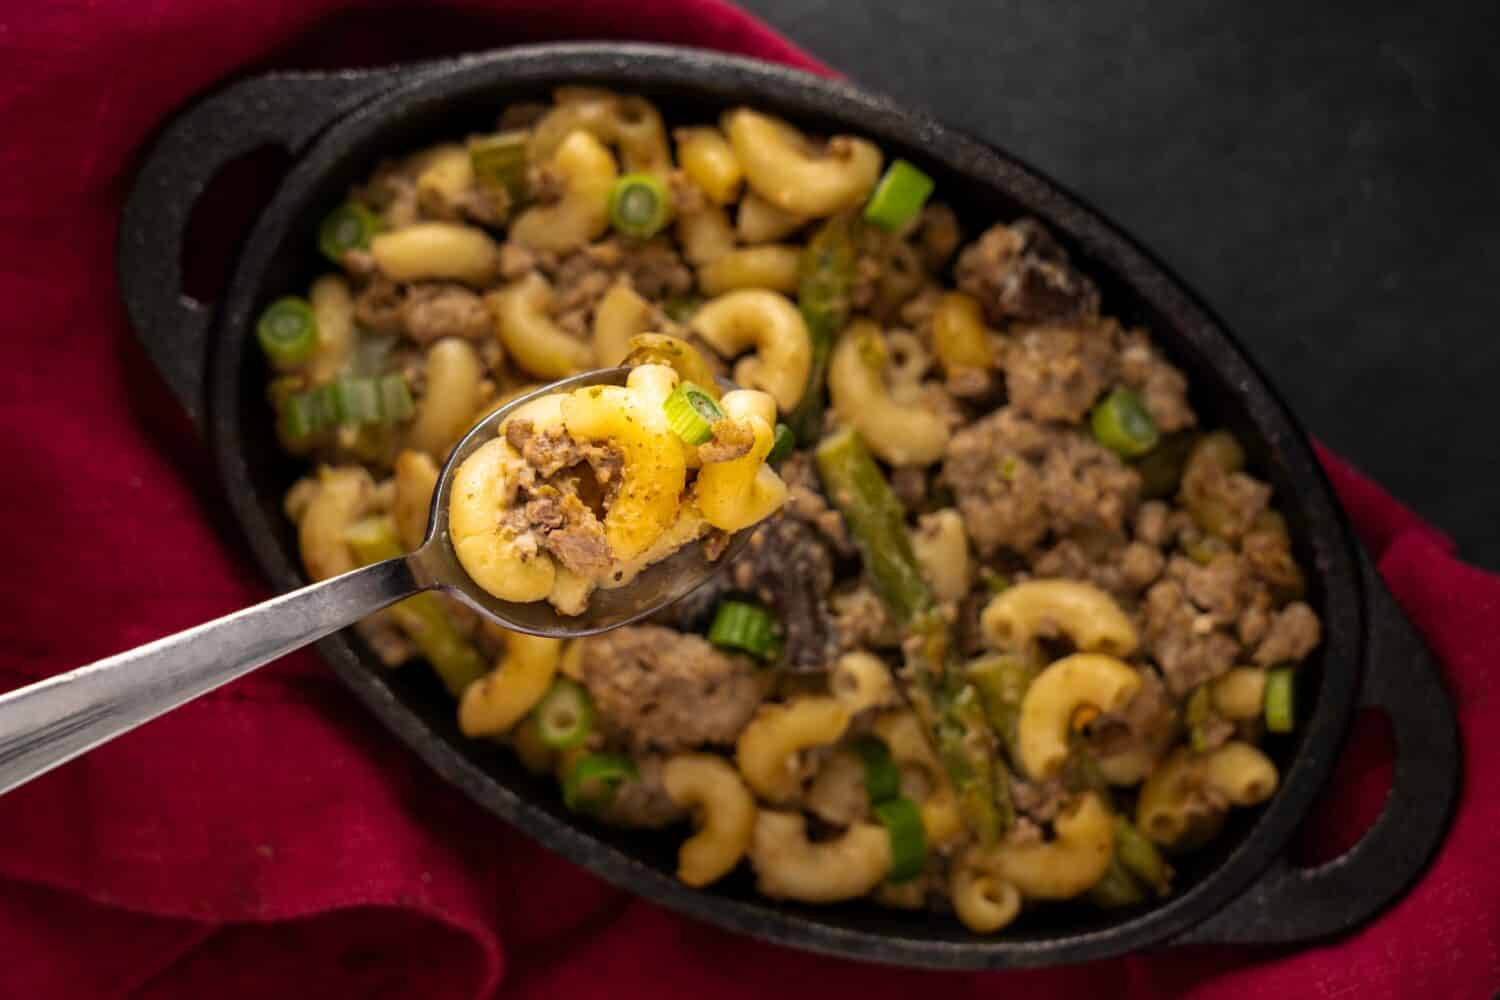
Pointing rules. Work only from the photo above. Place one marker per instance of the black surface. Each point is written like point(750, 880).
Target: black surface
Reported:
point(1326, 175)
point(434, 102)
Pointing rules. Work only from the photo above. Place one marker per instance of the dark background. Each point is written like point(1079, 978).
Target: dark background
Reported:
point(1326, 176)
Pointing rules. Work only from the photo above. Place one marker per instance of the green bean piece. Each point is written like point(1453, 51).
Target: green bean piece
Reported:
point(351, 226)
point(899, 196)
point(565, 715)
point(1198, 715)
point(876, 521)
point(640, 205)
point(287, 332)
point(824, 277)
point(1161, 468)
point(903, 824)
point(1117, 888)
point(882, 779)
point(500, 161)
point(1140, 857)
point(1002, 682)
point(784, 443)
point(1120, 423)
point(595, 779)
point(934, 681)
point(421, 617)
point(1281, 700)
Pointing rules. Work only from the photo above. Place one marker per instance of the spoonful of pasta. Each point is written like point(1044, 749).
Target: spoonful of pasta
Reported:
point(585, 505)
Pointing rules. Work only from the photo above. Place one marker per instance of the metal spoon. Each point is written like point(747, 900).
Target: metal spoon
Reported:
point(49, 723)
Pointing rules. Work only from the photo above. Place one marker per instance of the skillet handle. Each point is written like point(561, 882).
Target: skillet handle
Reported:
point(282, 109)
point(1295, 905)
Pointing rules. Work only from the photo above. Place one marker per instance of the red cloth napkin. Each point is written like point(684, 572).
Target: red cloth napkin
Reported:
point(271, 839)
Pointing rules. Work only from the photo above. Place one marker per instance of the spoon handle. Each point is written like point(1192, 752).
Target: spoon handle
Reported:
point(49, 723)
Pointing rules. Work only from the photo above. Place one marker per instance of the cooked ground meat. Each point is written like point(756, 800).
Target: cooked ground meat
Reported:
point(1040, 801)
point(1162, 387)
point(644, 802)
point(806, 503)
point(1152, 522)
point(788, 567)
point(1185, 644)
point(1016, 479)
point(1140, 565)
point(1232, 500)
point(1221, 589)
point(730, 441)
point(861, 621)
point(1020, 272)
point(654, 268)
point(968, 383)
point(1267, 550)
point(377, 306)
point(1056, 372)
point(1255, 620)
point(665, 690)
point(909, 483)
point(516, 261)
point(568, 530)
point(1145, 721)
point(434, 309)
point(1293, 633)
point(486, 204)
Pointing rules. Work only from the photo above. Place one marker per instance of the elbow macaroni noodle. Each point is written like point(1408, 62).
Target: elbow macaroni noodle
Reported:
point(1083, 612)
point(902, 435)
point(767, 322)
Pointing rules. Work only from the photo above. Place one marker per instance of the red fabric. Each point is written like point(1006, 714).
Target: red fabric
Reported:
point(271, 839)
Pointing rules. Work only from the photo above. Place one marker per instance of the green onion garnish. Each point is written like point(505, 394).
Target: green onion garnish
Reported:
point(1281, 704)
point(592, 783)
point(1122, 424)
point(899, 196)
point(746, 627)
point(1140, 857)
point(782, 445)
point(302, 415)
point(692, 413)
point(882, 780)
point(395, 399)
point(500, 161)
point(565, 715)
point(639, 205)
point(287, 332)
point(903, 822)
point(348, 227)
point(356, 401)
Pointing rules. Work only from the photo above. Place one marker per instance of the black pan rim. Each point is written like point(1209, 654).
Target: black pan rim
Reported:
point(795, 92)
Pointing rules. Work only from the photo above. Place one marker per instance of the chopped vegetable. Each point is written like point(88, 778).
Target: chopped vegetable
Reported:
point(302, 415)
point(1002, 682)
point(882, 780)
point(1117, 888)
point(898, 197)
point(356, 401)
point(1281, 704)
point(287, 332)
point(592, 783)
point(565, 715)
point(903, 823)
point(745, 627)
point(1198, 715)
point(934, 683)
point(1161, 467)
point(639, 205)
point(500, 161)
point(1121, 423)
point(395, 400)
point(348, 227)
point(1140, 857)
point(421, 617)
point(677, 354)
point(692, 413)
point(782, 445)
point(825, 273)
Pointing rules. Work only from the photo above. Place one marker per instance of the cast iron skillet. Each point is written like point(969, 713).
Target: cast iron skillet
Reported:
point(338, 125)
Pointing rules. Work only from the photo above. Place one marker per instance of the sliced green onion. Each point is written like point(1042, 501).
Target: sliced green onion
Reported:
point(356, 401)
point(680, 308)
point(783, 444)
point(882, 779)
point(1122, 424)
point(592, 783)
point(1141, 858)
point(899, 196)
point(564, 715)
point(500, 161)
point(348, 227)
point(395, 399)
point(692, 413)
point(302, 415)
point(287, 332)
point(1116, 889)
point(639, 205)
point(903, 823)
point(746, 627)
point(1281, 703)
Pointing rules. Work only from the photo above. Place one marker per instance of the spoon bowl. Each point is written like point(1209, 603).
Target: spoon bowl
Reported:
point(436, 564)
point(49, 723)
